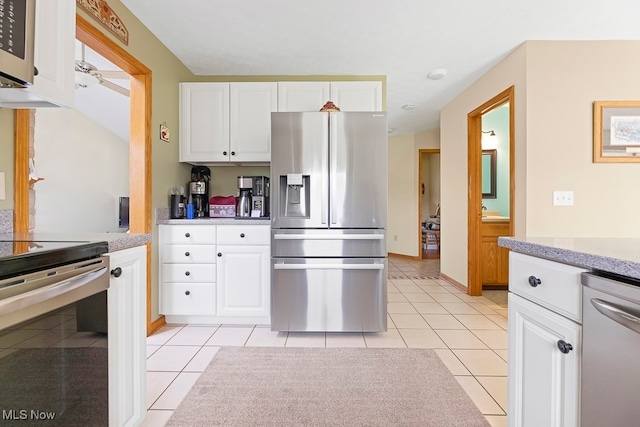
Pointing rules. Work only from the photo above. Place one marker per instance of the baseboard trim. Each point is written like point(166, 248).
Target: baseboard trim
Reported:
point(156, 324)
point(411, 257)
point(454, 283)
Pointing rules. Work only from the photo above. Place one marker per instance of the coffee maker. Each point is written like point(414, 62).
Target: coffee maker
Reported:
point(260, 195)
point(199, 191)
point(245, 188)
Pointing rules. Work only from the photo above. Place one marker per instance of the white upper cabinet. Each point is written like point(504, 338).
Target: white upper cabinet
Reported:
point(204, 122)
point(54, 52)
point(302, 96)
point(347, 95)
point(226, 122)
point(251, 105)
point(357, 96)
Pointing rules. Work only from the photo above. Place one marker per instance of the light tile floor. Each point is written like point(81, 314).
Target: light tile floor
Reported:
point(468, 333)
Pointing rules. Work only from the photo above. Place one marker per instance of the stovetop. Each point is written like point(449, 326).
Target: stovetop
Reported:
point(26, 256)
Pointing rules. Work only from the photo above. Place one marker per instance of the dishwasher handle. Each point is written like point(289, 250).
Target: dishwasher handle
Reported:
point(618, 314)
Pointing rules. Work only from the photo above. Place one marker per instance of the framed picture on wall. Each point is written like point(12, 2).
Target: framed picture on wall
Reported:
point(616, 132)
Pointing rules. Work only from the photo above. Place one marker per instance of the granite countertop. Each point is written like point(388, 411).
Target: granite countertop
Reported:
point(116, 241)
point(614, 255)
point(217, 221)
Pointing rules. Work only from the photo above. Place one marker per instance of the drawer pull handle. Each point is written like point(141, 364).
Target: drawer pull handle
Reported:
point(116, 272)
point(242, 235)
point(564, 347)
point(534, 281)
point(233, 153)
point(224, 153)
point(219, 253)
point(187, 293)
point(187, 254)
point(186, 273)
point(187, 235)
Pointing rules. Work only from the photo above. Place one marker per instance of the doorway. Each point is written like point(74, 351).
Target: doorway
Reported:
point(139, 144)
point(429, 203)
point(483, 231)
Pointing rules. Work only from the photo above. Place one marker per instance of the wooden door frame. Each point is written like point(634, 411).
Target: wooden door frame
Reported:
point(420, 153)
point(139, 144)
point(474, 151)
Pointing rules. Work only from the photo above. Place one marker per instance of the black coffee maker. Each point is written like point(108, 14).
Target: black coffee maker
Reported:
point(199, 190)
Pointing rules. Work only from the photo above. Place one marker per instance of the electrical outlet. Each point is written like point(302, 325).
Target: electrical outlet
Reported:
point(563, 198)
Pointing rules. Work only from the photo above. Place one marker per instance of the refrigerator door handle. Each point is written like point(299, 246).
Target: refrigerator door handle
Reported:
point(328, 237)
point(333, 174)
point(328, 266)
point(324, 200)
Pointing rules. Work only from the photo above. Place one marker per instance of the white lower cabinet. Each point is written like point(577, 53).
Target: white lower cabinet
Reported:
point(243, 278)
point(127, 302)
point(545, 346)
point(215, 273)
point(544, 382)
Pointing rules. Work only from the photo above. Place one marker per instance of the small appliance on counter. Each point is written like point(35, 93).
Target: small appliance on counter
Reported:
point(222, 207)
point(199, 191)
point(260, 195)
point(245, 188)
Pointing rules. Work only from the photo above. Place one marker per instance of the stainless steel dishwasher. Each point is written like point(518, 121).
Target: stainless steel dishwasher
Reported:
point(611, 351)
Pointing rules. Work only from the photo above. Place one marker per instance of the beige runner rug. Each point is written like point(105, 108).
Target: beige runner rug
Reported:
point(265, 386)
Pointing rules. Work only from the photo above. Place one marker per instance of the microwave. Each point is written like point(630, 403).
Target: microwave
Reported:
point(17, 33)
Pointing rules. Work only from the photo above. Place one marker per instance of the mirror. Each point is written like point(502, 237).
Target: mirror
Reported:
point(489, 174)
point(616, 131)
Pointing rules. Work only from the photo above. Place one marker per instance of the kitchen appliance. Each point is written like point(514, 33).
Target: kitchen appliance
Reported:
point(260, 195)
point(199, 190)
point(328, 217)
point(17, 34)
point(610, 346)
point(245, 187)
point(43, 285)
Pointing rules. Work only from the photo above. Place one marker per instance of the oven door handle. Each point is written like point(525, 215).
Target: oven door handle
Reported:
point(618, 314)
point(36, 296)
point(328, 266)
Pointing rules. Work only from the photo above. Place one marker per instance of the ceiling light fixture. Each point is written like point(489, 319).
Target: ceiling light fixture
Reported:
point(437, 74)
point(407, 107)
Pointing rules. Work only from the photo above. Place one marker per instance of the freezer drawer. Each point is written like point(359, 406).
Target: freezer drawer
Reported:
point(329, 295)
point(328, 243)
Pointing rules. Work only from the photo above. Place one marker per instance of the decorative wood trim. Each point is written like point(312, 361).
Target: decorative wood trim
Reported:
point(22, 135)
point(411, 257)
point(453, 282)
point(156, 324)
point(474, 174)
point(140, 134)
point(102, 13)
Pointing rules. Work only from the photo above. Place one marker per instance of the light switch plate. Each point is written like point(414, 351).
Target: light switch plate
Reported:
point(3, 193)
point(563, 198)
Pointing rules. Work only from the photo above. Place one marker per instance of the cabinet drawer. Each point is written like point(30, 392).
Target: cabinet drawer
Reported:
point(243, 234)
point(186, 254)
point(188, 298)
point(189, 273)
point(559, 287)
point(198, 234)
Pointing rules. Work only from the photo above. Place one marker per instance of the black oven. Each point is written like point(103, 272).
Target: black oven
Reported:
point(53, 368)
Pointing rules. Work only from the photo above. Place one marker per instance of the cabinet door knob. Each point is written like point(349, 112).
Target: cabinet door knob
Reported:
point(224, 153)
point(187, 254)
point(242, 235)
point(187, 293)
point(534, 281)
point(116, 272)
point(564, 346)
point(219, 253)
point(186, 273)
point(233, 153)
point(187, 235)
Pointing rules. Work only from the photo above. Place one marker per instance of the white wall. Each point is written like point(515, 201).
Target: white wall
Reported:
point(85, 169)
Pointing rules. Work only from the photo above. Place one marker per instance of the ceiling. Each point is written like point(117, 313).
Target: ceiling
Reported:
point(402, 39)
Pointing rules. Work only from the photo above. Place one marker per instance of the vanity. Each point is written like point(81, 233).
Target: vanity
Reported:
point(546, 322)
point(495, 259)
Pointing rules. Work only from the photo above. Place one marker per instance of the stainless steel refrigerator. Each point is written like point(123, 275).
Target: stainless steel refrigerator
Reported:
point(328, 221)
